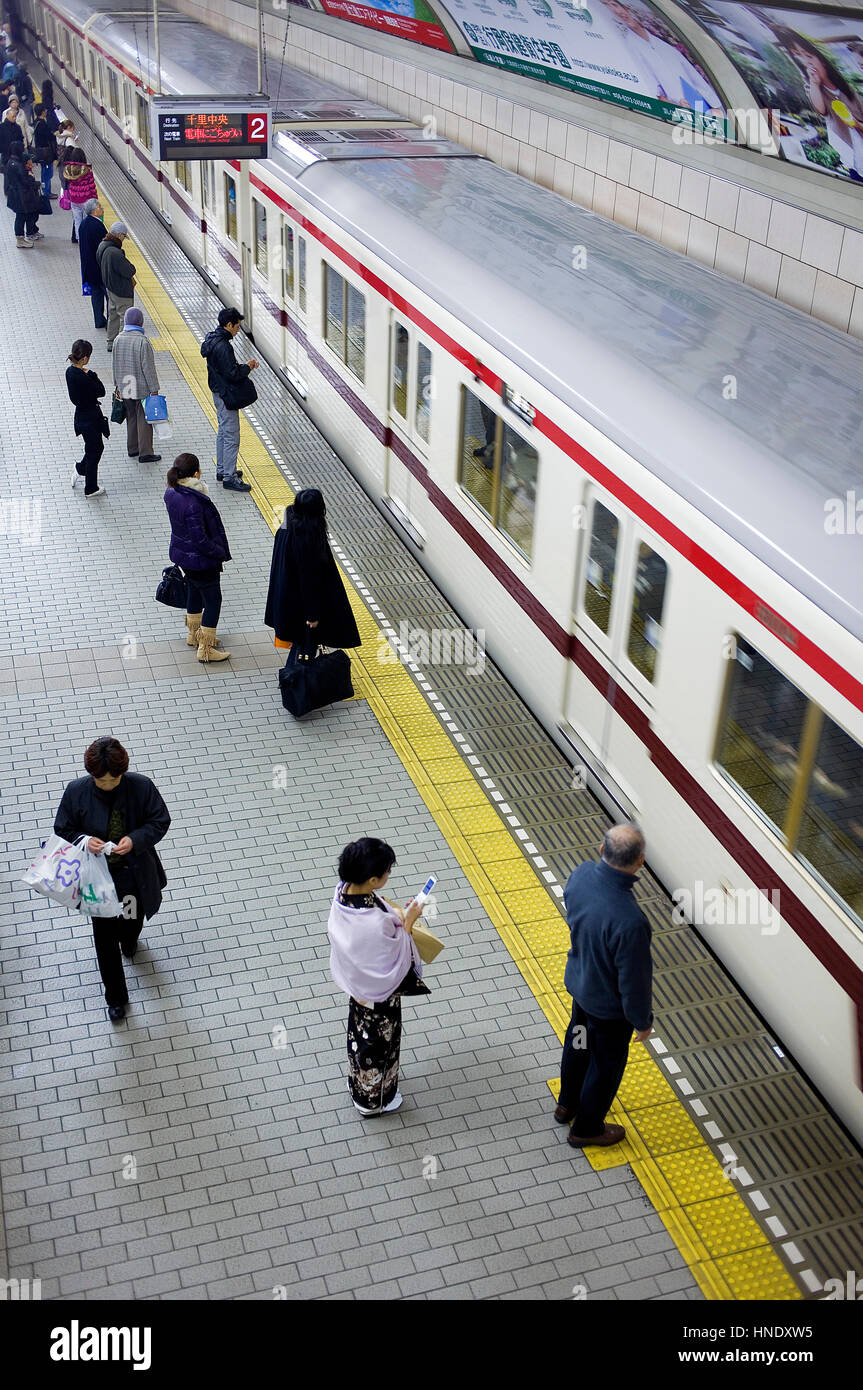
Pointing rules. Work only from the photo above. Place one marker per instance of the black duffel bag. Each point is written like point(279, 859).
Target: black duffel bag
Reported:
point(172, 587)
point(311, 679)
point(238, 394)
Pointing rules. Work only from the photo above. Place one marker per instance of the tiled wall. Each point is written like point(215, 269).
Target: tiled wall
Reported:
point(809, 261)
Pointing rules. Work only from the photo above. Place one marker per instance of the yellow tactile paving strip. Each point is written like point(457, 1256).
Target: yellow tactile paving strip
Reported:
point(728, 1253)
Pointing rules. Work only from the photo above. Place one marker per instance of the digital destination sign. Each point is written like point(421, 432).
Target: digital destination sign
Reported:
point(201, 128)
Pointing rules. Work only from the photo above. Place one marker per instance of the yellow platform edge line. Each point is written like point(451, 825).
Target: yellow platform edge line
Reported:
point(417, 737)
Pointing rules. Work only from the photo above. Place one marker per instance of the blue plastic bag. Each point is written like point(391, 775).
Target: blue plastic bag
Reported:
point(155, 408)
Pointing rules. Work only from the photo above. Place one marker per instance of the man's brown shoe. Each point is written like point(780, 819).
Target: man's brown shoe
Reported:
point(612, 1134)
point(564, 1116)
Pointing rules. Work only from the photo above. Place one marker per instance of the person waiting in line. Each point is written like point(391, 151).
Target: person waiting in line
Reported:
point(609, 975)
point(47, 98)
point(44, 147)
point(306, 599)
point(228, 381)
point(118, 277)
point(23, 197)
point(10, 133)
point(200, 547)
point(134, 365)
point(80, 185)
point(113, 805)
point(374, 960)
point(24, 90)
point(90, 234)
point(21, 121)
point(85, 391)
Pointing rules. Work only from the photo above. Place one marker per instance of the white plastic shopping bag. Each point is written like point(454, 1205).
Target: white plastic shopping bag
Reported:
point(56, 870)
point(98, 894)
point(163, 429)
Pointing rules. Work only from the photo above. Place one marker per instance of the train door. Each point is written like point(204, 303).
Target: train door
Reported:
point(248, 296)
point(293, 315)
point(208, 208)
point(618, 615)
point(128, 118)
point(407, 433)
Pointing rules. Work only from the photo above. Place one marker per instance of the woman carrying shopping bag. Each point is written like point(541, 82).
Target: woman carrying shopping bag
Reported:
point(113, 804)
point(80, 185)
point(200, 547)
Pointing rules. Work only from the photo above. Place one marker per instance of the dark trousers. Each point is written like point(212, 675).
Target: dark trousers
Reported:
point(26, 223)
point(109, 934)
point(97, 299)
point(592, 1067)
point(94, 447)
point(204, 595)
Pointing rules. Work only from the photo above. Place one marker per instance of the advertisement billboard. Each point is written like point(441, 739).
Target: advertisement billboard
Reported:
point(406, 19)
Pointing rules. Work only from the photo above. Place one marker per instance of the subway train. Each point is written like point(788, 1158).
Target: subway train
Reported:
point(639, 481)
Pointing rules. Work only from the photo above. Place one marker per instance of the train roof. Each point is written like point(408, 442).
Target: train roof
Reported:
point(747, 408)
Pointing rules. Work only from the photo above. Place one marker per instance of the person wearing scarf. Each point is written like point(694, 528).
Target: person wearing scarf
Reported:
point(199, 546)
point(373, 959)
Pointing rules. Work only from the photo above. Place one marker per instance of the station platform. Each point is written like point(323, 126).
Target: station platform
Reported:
point(206, 1147)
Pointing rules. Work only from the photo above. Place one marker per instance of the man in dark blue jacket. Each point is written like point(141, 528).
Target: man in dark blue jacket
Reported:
point(609, 975)
point(90, 233)
point(228, 380)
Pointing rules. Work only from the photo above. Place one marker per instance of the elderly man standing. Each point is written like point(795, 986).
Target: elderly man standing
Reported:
point(609, 975)
point(90, 233)
point(134, 379)
point(118, 277)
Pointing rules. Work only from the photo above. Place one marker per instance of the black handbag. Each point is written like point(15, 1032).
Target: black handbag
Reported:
point(43, 155)
point(239, 393)
point(118, 409)
point(310, 679)
point(172, 587)
point(45, 208)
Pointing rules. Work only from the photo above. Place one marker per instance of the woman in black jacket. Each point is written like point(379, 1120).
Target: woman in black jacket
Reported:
point(113, 804)
point(44, 147)
point(85, 390)
point(23, 196)
point(307, 598)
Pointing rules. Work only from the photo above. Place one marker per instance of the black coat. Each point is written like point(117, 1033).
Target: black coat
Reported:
point(306, 586)
point(90, 233)
point(85, 810)
point(85, 391)
point(44, 141)
point(23, 193)
point(223, 369)
point(10, 134)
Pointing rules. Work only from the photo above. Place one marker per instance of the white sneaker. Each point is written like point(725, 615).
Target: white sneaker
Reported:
point(76, 479)
point(100, 492)
point(387, 1110)
point(37, 236)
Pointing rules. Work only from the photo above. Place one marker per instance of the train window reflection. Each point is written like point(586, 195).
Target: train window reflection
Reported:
point(301, 271)
point(334, 316)
point(517, 495)
point(259, 218)
point(355, 354)
point(400, 370)
point(830, 840)
point(759, 747)
point(288, 261)
point(424, 391)
point(345, 321)
point(230, 207)
point(477, 469)
point(499, 470)
point(648, 599)
point(601, 565)
point(143, 110)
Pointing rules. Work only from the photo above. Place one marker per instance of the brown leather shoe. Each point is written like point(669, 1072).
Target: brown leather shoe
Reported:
point(611, 1134)
point(564, 1116)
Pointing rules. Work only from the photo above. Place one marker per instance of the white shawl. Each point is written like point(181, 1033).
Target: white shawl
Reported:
point(371, 951)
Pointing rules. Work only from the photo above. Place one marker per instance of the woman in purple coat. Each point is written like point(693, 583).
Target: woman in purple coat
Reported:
point(200, 547)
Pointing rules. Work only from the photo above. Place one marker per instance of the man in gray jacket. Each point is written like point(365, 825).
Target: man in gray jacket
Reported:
point(118, 277)
point(134, 379)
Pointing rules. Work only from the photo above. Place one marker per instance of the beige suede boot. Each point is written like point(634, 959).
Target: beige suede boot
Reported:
point(207, 649)
point(193, 623)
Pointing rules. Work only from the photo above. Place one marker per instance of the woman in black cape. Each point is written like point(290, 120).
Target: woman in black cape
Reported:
point(307, 598)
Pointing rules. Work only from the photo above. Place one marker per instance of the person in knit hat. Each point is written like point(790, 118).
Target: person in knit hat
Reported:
point(118, 277)
point(135, 378)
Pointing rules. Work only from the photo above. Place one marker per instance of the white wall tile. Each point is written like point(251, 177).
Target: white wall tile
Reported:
point(832, 300)
point(722, 203)
point(474, 104)
point(433, 88)
point(785, 233)
point(619, 160)
point(582, 187)
point(762, 268)
point(421, 83)
point(488, 112)
point(446, 94)
point(851, 258)
point(649, 216)
point(855, 325)
point(730, 256)
point(494, 148)
point(576, 144)
point(694, 188)
point(642, 171)
point(597, 152)
point(479, 141)
point(509, 154)
point(504, 116)
point(544, 168)
point(796, 284)
point(603, 196)
point(521, 123)
point(459, 98)
point(701, 244)
point(675, 228)
point(753, 215)
point(556, 139)
point(666, 181)
point(563, 172)
point(626, 206)
point(465, 132)
point(538, 129)
point(526, 160)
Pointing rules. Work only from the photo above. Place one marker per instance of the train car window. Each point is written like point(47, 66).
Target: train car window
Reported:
point(81, 68)
point(208, 184)
point(517, 492)
point(345, 321)
point(478, 469)
point(287, 261)
point(334, 311)
point(301, 272)
point(259, 214)
point(424, 392)
point(143, 110)
point(183, 173)
point(601, 566)
point(648, 599)
point(95, 75)
point(401, 344)
point(830, 840)
point(759, 746)
point(113, 91)
point(230, 207)
point(355, 356)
